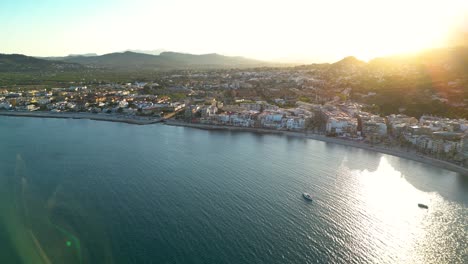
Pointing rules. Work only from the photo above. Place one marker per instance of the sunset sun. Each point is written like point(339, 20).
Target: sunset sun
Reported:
point(400, 27)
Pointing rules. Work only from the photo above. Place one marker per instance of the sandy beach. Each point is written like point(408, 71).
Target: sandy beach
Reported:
point(90, 116)
point(410, 155)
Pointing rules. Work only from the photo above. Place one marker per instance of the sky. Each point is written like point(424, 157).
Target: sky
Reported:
point(293, 30)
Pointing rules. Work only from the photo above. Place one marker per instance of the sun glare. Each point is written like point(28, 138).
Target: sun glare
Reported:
point(404, 28)
point(309, 31)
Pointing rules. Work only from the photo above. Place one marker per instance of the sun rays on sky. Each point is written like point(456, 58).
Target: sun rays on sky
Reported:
point(302, 30)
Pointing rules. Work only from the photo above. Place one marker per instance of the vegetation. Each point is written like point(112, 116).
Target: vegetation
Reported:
point(433, 82)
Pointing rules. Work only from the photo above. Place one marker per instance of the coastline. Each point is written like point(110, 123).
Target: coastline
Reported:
point(78, 115)
point(146, 121)
point(389, 151)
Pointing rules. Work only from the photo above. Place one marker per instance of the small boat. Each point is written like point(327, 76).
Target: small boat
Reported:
point(307, 196)
point(423, 206)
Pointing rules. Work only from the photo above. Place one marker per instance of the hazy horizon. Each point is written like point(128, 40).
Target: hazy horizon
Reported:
point(297, 31)
point(287, 60)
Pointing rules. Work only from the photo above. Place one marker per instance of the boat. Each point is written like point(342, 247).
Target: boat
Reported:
point(423, 206)
point(307, 196)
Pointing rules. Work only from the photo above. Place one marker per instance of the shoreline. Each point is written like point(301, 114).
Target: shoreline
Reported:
point(89, 116)
point(410, 155)
point(388, 151)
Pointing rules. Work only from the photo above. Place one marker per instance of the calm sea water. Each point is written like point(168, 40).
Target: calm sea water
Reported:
point(80, 191)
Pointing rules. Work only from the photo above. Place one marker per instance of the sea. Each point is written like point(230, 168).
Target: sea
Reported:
point(82, 191)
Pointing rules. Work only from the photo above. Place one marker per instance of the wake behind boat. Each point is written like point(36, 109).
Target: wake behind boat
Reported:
point(307, 196)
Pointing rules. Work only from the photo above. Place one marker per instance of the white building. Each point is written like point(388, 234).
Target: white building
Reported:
point(31, 107)
point(295, 123)
point(340, 125)
point(211, 110)
point(123, 104)
point(5, 105)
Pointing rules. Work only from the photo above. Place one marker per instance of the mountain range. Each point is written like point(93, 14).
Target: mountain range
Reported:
point(128, 61)
point(166, 60)
point(134, 61)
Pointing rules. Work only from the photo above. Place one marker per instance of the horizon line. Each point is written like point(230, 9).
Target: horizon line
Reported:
point(282, 60)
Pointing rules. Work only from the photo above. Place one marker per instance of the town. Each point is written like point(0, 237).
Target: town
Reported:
point(274, 99)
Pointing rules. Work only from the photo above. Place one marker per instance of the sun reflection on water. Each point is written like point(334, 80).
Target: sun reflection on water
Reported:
point(390, 221)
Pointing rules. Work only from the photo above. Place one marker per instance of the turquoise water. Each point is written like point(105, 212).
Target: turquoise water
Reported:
point(81, 191)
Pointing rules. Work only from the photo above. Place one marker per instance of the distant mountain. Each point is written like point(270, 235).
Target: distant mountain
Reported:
point(165, 61)
point(83, 55)
point(69, 56)
point(150, 52)
point(124, 61)
point(22, 63)
point(116, 60)
point(209, 59)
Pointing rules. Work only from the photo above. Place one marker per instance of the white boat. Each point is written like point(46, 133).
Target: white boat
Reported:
point(307, 196)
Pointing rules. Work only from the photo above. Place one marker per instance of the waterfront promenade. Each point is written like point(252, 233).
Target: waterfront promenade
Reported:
point(98, 117)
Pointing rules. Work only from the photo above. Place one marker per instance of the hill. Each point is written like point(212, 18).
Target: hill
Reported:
point(165, 61)
point(433, 81)
point(429, 82)
point(22, 63)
